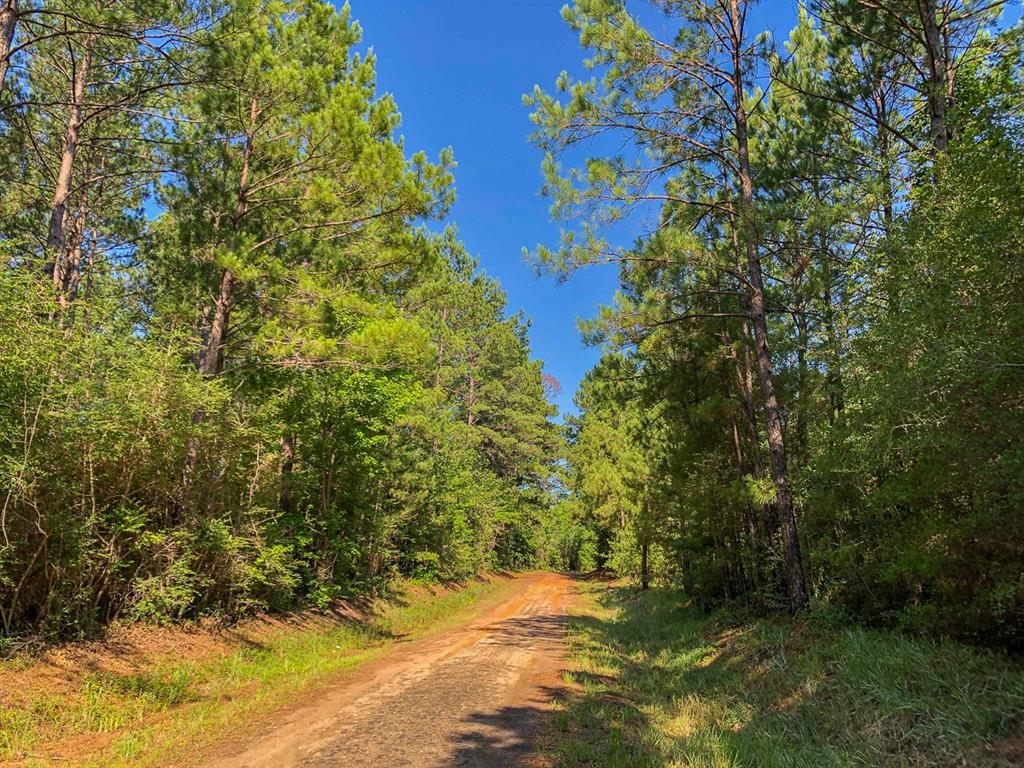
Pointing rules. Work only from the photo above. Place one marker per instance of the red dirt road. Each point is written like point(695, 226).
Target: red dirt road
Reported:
point(475, 696)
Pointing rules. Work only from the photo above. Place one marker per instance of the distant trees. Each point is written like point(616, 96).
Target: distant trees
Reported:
point(795, 201)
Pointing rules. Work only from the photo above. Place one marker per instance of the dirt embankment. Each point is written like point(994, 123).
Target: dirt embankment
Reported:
point(342, 688)
point(126, 699)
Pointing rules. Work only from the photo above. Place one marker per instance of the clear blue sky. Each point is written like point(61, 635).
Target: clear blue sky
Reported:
point(458, 70)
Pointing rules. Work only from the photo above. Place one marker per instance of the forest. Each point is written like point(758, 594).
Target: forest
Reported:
point(247, 364)
point(239, 369)
point(811, 394)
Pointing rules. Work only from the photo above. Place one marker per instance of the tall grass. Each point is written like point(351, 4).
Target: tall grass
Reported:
point(660, 685)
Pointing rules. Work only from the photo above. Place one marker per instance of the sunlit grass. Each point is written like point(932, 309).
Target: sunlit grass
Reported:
point(657, 684)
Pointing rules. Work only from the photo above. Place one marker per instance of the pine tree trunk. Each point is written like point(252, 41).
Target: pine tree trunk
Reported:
point(939, 80)
point(884, 151)
point(56, 231)
point(796, 584)
point(745, 377)
point(211, 359)
point(71, 257)
point(8, 21)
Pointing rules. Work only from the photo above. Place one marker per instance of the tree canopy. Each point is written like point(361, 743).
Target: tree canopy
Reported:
point(810, 391)
point(239, 370)
point(247, 363)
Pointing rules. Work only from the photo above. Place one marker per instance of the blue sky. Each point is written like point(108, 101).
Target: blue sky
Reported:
point(458, 70)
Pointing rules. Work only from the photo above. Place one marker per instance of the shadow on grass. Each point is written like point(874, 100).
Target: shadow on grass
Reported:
point(657, 683)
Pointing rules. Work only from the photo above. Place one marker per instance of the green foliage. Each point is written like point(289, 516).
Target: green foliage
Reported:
point(885, 211)
point(930, 457)
point(242, 374)
point(567, 542)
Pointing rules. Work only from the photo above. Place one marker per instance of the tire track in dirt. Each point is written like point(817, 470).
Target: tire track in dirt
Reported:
point(474, 697)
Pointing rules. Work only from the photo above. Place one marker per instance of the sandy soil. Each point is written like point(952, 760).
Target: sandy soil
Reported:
point(476, 696)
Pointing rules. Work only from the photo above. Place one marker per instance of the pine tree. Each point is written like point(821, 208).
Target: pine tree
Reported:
point(684, 104)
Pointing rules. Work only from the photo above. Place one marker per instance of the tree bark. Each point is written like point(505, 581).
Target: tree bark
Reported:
point(939, 83)
point(56, 231)
point(796, 584)
point(8, 21)
point(211, 359)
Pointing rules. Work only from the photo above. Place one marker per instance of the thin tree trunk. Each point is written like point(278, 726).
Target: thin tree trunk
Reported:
point(884, 151)
point(752, 518)
point(441, 349)
point(745, 377)
point(645, 576)
point(834, 372)
point(284, 502)
point(800, 449)
point(796, 584)
point(8, 21)
point(471, 402)
point(211, 360)
point(56, 231)
point(947, 50)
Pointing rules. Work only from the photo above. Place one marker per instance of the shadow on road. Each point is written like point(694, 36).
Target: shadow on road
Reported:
point(507, 737)
point(502, 739)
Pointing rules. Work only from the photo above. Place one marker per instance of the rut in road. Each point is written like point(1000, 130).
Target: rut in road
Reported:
point(475, 696)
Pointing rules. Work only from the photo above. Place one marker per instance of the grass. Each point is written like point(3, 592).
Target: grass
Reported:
point(150, 717)
point(658, 685)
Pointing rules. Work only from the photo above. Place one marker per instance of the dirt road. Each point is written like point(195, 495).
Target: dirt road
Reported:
point(474, 696)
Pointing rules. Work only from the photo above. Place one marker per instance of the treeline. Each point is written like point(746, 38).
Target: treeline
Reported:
point(236, 370)
point(813, 389)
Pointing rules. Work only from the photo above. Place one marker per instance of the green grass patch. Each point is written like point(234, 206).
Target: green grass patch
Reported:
point(148, 717)
point(657, 684)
